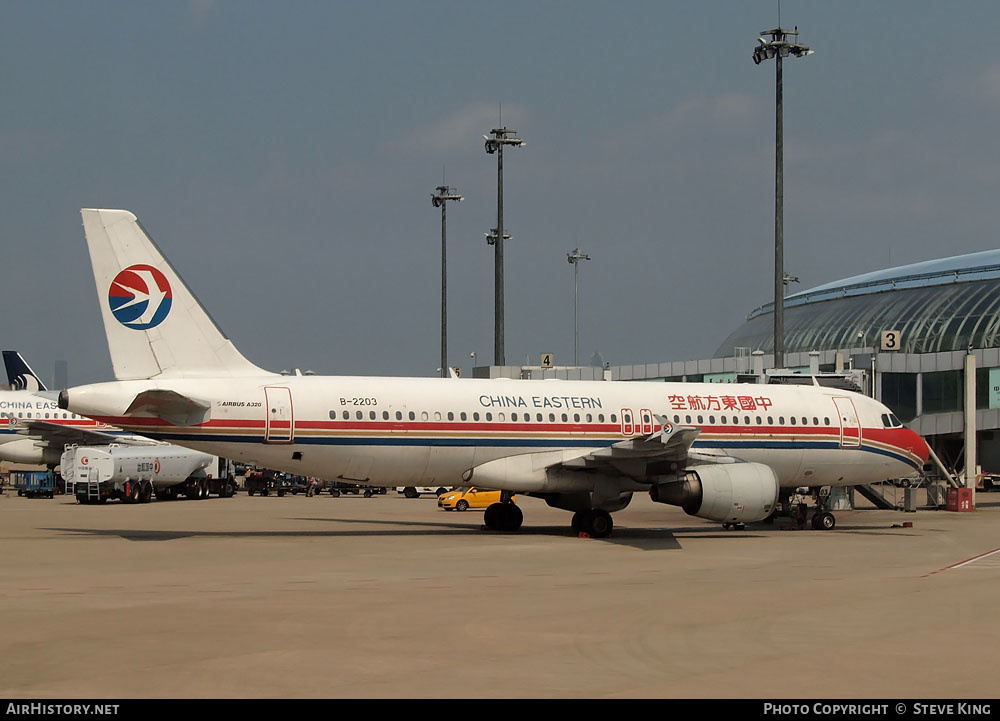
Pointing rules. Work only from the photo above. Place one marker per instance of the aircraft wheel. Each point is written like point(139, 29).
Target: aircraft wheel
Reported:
point(600, 523)
point(511, 517)
point(579, 521)
point(823, 521)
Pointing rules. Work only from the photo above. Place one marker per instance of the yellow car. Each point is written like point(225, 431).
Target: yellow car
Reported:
point(462, 499)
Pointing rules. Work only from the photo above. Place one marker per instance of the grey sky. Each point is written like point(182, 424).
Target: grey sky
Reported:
point(283, 156)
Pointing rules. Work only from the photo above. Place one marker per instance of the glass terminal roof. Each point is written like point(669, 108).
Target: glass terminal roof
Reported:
point(942, 305)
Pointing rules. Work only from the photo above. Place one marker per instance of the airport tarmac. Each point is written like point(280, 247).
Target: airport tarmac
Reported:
point(388, 597)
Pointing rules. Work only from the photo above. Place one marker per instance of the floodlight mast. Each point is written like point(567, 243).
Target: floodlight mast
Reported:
point(575, 257)
point(501, 137)
point(439, 200)
point(783, 43)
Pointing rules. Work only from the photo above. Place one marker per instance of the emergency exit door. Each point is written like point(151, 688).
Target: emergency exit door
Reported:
point(279, 422)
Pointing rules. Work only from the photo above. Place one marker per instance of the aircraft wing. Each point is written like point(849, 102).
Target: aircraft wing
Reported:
point(171, 406)
point(57, 435)
point(634, 456)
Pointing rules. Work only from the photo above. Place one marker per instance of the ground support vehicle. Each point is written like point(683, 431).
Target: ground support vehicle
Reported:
point(266, 483)
point(36, 484)
point(336, 489)
point(133, 474)
point(417, 491)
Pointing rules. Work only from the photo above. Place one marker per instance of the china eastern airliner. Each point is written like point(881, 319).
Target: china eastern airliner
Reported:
point(727, 452)
point(33, 429)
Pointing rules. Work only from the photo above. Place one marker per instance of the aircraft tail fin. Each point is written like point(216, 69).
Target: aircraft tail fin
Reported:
point(154, 324)
point(19, 375)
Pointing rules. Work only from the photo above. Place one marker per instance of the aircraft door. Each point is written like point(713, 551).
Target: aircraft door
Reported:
point(850, 425)
point(279, 422)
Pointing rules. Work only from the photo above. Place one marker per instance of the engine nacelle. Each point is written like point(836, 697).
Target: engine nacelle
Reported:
point(29, 451)
point(730, 492)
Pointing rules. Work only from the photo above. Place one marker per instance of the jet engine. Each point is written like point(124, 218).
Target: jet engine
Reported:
point(27, 450)
point(730, 492)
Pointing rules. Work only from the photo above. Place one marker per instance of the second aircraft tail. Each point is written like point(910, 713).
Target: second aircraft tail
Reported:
point(154, 324)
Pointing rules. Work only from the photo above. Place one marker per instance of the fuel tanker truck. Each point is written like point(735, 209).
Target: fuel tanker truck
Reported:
point(133, 474)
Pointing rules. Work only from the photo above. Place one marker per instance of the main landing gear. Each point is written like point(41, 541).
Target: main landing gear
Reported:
point(594, 522)
point(503, 516)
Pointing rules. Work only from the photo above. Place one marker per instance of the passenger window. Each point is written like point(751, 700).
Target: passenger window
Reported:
point(463, 416)
point(385, 415)
point(347, 416)
point(759, 421)
point(538, 417)
point(475, 416)
point(826, 421)
point(746, 420)
point(489, 416)
point(451, 415)
point(437, 415)
point(564, 418)
point(576, 417)
point(711, 419)
point(413, 416)
point(513, 416)
point(552, 417)
point(590, 418)
point(701, 419)
point(792, 420)
point(815, 421)
point(371, 415)
point(501, 417)
point(614, 417)
point(359, 415)
point(399, 415)
point(770, 421)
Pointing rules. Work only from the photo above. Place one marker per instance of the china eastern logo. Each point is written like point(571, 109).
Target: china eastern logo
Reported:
point(140, 297)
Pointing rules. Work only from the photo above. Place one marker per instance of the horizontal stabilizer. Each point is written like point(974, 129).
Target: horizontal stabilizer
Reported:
point(171, 406)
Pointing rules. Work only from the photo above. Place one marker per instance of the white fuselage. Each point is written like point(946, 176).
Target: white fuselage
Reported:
point(18, 406)
point(414, 431)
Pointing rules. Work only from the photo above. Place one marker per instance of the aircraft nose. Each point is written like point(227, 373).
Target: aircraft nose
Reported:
point(918, 446)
